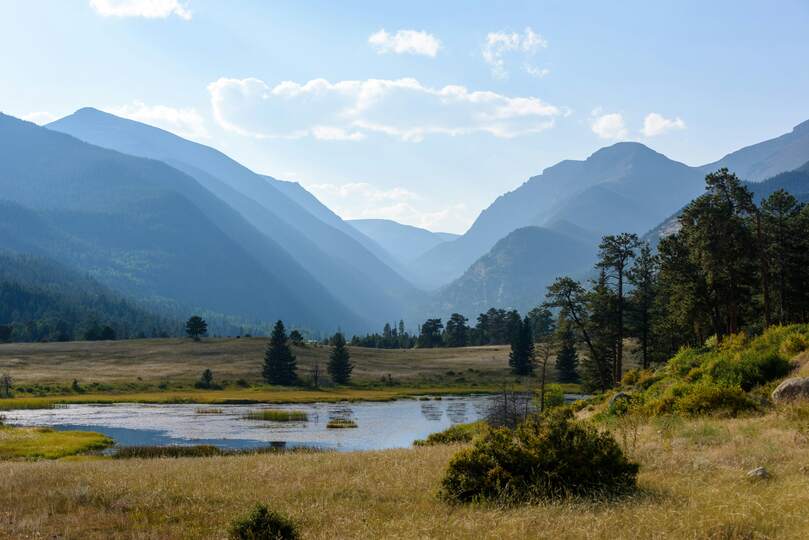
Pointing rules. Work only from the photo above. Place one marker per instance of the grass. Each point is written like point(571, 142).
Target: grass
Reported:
point(459, 433)
point(45, 443)
point(341, 423)
point(208, 410)
point(277, 415)
point(200, 451)
point(692, 485)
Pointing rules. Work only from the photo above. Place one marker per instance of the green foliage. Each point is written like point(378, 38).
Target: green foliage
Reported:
point(341, 423)
point(278, 415)
point(263, 524)
point(430, 334)
point(459, 433)
point(712, 399)
point(551, 457)
point(196, 327)
point(794, 344)
point(554, 396)
point(340, 366)
point(567, 359)
point(456, 333)
point(279, 363)
point(206, 380)
point(521, 358)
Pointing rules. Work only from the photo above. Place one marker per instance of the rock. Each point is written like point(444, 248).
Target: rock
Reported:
point(619, 395)
point(796, 388)
point(759, 473)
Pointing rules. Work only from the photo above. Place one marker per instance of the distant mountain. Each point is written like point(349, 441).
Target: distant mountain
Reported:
point(317, 239)
point(516, 272)
point(41, 299)
point(624, 187)
point(769, 158)
point(404, 242)
point(148, 230)
point(795, 182)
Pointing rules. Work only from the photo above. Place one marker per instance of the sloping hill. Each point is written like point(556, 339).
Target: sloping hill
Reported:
point(404, 242)
point(769, 158)
point(314, 236)
point(624, 187)
point(515, 273)
point(149, 230)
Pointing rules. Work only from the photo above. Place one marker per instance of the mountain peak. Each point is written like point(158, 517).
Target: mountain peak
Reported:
point(802, 128)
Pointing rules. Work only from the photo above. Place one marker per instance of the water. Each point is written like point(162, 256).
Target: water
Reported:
point(394, 424)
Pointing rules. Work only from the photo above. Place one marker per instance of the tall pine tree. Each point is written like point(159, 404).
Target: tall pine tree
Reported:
point(567, 359)
point(279, 362)
point(340, 365)
point(521, 358)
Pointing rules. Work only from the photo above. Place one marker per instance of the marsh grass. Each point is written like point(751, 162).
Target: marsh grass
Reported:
point(209, 410)
point(277, 415)
point(46, 443)
point(341, 423)
point(204, 451)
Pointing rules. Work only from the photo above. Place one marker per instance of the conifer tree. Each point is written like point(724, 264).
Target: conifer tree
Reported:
point(521, 357)
point(340, 365)
point(279, 362)
point(567, 359)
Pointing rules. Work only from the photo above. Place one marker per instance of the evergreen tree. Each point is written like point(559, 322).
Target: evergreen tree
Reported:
point(542, 323)
point(567, 359)
point(296, 338)
point(279, 362)
point(643, 276)
point(430, 333)
point(456, 333)
point(340, 365)
point(521, 358)
point(782, 236)
point(602, 307)
point(196, 327)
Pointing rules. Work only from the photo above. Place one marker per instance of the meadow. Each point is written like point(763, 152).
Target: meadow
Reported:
point(693, 484)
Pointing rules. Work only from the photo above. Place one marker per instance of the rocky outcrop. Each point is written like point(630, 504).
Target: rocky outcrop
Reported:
point(796, 388)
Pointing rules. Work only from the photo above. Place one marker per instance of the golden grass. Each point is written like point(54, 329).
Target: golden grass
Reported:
point(692, 482)
point(278, 415)
point(341, 423)
point(45, 443)
point(208, 410)
point(183, 360)
point(241, 396)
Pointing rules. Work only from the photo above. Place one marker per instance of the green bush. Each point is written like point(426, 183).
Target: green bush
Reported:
point(794, 344)
point(459, 433)
point(707, 398)
point(263, 524)
point(543, 458)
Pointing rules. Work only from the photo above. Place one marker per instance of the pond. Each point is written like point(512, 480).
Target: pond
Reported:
point(394, 424)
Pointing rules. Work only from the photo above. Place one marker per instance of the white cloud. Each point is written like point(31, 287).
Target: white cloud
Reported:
point(500, 45)
point(183, 122)
point(351, 110)
point(656, 124)
point(40, 117)
point(361, 200)
point(608, 126)
point(535, 71)
point(150, 9)
point(405, 42)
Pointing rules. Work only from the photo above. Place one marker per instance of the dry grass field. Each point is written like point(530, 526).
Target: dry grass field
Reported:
point(183, 360)
point(692, 485)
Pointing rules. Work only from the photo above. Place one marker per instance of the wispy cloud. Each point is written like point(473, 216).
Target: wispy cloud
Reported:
point(405, 42)
point(40, 117)
point(402, 108)
point(185, 122)
point(150, 9)
point(500, 45)
point(656, 124)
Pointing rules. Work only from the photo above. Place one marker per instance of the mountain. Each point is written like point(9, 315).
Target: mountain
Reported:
point(149, 231)
point(316, 238)
point(624, 187)
point(769, 158)
point(404, 242)
point(41, 299)
point(516, 272)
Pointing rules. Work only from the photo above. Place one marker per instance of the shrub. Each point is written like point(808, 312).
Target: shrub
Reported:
point(794, 344)
point(554, 396)
point(263, 524)
point(459, 433)
point(543, 458)
point(708, 398)
point(341, 423)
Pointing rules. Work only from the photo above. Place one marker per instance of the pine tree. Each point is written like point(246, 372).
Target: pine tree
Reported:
point(340, 365)
point(456, 333)
point(279, 362)
point(196, 327)
point(521, 358)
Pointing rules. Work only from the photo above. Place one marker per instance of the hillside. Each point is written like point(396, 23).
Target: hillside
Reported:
point(148, 230)
point(515, 273)
point(624, 187)
point(43, 300)
point(404, 242)
point(769, 158)
point(284, 212)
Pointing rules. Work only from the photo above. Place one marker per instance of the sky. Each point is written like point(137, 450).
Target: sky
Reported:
point(423, 112)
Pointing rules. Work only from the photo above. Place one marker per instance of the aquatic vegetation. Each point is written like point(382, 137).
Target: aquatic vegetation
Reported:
point(341, 423)
point(46, 443)
point(278, 415)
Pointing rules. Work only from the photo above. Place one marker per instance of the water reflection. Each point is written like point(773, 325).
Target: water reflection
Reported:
point(432, 411)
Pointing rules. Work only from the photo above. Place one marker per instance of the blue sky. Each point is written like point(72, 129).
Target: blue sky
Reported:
point(422, 112)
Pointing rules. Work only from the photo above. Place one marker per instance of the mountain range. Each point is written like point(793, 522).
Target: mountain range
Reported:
point(179, 226)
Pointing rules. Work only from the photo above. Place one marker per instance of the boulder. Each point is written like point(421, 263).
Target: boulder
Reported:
point(796, 388)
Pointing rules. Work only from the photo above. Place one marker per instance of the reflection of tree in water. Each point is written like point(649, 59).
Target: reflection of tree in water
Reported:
point(341, 412)
point(431, 411)
point(456, 412)
point(278, 444)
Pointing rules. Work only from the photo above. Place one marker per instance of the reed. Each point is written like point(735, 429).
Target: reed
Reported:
point(278, 415)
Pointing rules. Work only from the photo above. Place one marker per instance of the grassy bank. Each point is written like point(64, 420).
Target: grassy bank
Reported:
point(692, 480)
point(45, 443)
